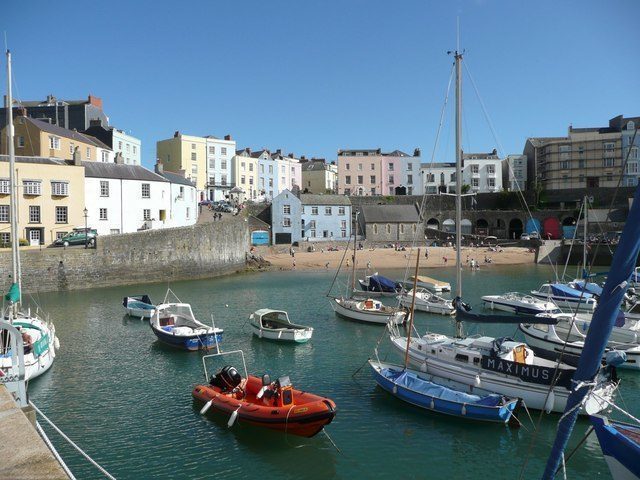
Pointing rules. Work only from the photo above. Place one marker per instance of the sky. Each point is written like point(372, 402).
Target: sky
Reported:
point(314, 77)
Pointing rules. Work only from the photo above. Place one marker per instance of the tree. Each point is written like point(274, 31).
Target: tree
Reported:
point(465, 188)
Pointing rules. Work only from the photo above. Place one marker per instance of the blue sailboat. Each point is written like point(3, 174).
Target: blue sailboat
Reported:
point(615, 442)
point(620, 444)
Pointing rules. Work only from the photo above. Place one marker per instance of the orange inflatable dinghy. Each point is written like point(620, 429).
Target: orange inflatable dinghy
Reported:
point(275, 405)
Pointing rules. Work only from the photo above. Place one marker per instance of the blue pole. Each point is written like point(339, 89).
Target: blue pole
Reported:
point(622, 266)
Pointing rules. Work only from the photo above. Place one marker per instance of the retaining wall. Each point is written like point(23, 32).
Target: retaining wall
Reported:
point(198, 251)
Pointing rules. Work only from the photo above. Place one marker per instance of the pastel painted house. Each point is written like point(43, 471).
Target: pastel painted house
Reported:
point(313, 218)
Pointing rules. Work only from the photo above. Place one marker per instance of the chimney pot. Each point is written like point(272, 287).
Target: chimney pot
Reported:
point(76, 156)
point(119, 160)
point(176, 134)
point(159, 166)
point(227, 137)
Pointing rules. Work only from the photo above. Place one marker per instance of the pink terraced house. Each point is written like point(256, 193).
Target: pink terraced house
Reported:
point(372, 172)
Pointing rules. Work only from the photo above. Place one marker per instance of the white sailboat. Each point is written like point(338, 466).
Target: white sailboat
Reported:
point(38, 334)
point(499, 365)
point(426, 301)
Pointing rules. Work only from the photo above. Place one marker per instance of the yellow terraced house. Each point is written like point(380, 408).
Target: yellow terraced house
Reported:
point(50, 198)
point(185, 153)
point(245, 173)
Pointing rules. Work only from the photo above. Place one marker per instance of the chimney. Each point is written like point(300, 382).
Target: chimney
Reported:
point(248, 151)
point(95, 101)
point(302, 158)
point(119, 159)
point(290, 155)
point(19, 112)
point(227, 137)
point(494, 152)
point(95, 123)
point(176, 134)
point(279, 151)
point(51, 100)
point(182, 173)
point(159, 167)
point(416, 152)
point(77, 157)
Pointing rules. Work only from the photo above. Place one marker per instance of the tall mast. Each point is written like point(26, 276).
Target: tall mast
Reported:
point(353, 267)
point(458, 57)
point(12, 179)
point(584, 240)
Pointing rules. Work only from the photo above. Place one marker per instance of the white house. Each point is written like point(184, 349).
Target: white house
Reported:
point(482, 172)
point(220, 153)
point(183, 209)
point(129, 146)
point(125, 198)
point(439, 177)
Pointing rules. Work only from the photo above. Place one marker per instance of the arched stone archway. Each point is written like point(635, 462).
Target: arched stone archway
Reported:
point(449, 225)
point(433, 223)
point(465, 226)
point(515, 228)
point(568, 222)
point(482, 227)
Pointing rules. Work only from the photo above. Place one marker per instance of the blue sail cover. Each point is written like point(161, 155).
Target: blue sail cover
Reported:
point(622, 266)
point(378, 283)
point(562, 290)
point(589, 287)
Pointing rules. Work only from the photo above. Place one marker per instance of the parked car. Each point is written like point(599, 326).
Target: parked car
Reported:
point(525, 236)
point(78, 236)
point(535, 235)
point(204, 203)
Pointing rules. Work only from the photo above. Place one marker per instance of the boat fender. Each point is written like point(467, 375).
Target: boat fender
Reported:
point(548, 405)
point(206, 407)
point(233, 417)
point(432, 405)
point(478, 381)
point(260, 334)
point(395, 389)
point(56, 343)
point(423, 367)
point(464, 409)
point(615, 358)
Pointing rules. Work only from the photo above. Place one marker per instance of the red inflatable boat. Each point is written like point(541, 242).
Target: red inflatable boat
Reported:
point(275, 405)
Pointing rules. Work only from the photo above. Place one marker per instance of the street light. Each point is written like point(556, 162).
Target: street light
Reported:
point(86, 232)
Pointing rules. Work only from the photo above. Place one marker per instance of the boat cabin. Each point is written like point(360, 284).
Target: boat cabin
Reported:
point(271, 319)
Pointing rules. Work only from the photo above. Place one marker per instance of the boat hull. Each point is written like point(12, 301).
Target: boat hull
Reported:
point(188, 342)
point(35, 364)
point(377, 318)
point(307, 416)
point(140, 312)
point(514, 307)
point(534, 395)
point(620, 444)
point(498, 414)
point(428, 307)
point(283, 334)
point(574, 304)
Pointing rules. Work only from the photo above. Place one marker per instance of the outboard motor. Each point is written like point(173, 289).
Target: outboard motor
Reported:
point(226, 379)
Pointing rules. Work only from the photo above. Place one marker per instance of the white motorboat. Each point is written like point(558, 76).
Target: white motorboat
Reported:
point(566, 297)
point(429, 283)
point(275, 325)
point(139, 306)
point(519, 303)
point(567, 340)
point(38, 334)
point(368, 311)
point(427, 302)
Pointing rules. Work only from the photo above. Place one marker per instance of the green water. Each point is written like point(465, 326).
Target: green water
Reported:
point(126, 399)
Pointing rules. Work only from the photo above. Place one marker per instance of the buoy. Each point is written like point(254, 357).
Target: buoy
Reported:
point(233, 417)
point(206, 407)
point(548, 405)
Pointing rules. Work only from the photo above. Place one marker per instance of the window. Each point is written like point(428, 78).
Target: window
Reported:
point(4, 186)
point(565, 179)
point(293, 171)
point(59, 189)
point(402, 228)
point(474, 168)
point(373, 166)
point(120, 146)
point(491, 169)
point(634, 153)
point(223, 150)
point(388, 228)
point(491, 182)
point(347, 179)
point(632, 167)
point(375, 228)
point(20, 142)
point(194, 157)
point(608, 147)
point(391, 179)
point(581, 163)
point(359, 167)
point(194, 169)
point(564, 165)
point(251, 167)
point(193, 146)
point(286, 209)
point(114, 231)
point(282, 181)
point(135, 149)
point(343, 224)
point(104, 188)
point(391, 167)
point(360, 180)
point(103, 214)
point(347, 166)
point(54, 142)
point(4, 214)
point(341, 211)
point(343, 233)
point(409, 166)
point(325, 233)
point(32, 187)
point(314, 210)
point(128, 148)
point(223, 164)
point(270, 169)
point(609, 177)
point(409, 179)
point(286, 222)
point(105, 156)
point(250, 180)
point(62, 215)
point(608, 162)
point(475, 182)
point(631, 125)
point(34, 214)
point(373, 190)
point(373, 179)
point(223, 179)
point(146, 190)
point(347, 191)
point(271, 182)
point(59, 235)
point(188, 213)
point(327, 210)
point(312, 233)
point(212, 150)
point(146, 214)
point(88, 152)
point(261, 168)
point(243, 165)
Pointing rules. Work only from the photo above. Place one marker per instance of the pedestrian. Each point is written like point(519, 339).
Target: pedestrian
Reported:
point(326, 265)
point(294, 264)
point(445, 260)
point(426, 254)
point(369, 265)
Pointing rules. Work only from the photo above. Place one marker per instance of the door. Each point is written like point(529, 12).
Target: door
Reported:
point(34, 238)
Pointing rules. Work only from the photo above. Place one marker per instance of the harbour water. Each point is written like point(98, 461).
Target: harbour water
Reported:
point(126, 399)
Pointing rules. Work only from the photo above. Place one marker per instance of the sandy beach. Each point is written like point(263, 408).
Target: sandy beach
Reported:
point(388, 258)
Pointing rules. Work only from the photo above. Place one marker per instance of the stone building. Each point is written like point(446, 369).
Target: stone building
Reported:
point(318, 176)
point(390, 223)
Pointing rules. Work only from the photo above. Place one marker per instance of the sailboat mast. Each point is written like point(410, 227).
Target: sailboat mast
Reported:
point(353, 267)
point(458, 57)
point(584, 240)
point(12, 177)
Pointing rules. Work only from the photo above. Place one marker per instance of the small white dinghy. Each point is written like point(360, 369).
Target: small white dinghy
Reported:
point(275, 325)
point(429, 283)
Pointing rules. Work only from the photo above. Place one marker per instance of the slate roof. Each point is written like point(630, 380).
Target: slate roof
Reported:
point(40, 160)
point(314, 165)
point(121, 172)
point(175, 178)
point(313, 199)
point(64, 132)
point(389, 214)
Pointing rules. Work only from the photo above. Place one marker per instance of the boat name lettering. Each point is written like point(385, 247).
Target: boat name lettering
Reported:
point(529, 373)
point(300, 410)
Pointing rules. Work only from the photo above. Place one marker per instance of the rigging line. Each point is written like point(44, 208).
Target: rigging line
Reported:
point(575, 231)
point(442, 113)
point(580, 443)
point(340, 265)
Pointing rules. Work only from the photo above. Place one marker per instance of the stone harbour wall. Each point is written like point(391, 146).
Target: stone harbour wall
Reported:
point(198, 251)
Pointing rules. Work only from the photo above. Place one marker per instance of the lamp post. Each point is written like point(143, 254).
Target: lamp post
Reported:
point(86, 230)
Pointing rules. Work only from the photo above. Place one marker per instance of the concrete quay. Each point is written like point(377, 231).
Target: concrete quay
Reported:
point(24, 454)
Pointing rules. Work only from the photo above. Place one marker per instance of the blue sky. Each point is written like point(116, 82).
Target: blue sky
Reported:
point(314, 77)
